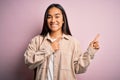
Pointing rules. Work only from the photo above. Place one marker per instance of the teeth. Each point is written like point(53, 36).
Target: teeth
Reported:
point(53, 24)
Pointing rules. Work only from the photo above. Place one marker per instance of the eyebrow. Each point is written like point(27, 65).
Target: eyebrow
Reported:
point(57, 14)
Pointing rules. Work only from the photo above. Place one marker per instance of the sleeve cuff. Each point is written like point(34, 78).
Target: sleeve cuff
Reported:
point(91, 52)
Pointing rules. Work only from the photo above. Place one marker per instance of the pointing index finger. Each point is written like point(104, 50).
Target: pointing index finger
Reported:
point(96, 38)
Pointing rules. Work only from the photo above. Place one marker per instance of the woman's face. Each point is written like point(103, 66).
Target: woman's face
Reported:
point(55, 19)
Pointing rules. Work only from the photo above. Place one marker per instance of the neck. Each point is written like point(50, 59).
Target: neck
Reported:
point(56, 34)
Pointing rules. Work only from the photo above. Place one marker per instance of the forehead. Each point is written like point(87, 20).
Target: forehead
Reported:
point(54, 11)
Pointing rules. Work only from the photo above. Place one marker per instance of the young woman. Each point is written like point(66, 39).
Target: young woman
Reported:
point(55, 54)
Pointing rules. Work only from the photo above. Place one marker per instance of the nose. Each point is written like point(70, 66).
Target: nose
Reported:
point(53, 19)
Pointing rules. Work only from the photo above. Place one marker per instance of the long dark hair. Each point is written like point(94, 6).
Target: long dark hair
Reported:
point(65, 26)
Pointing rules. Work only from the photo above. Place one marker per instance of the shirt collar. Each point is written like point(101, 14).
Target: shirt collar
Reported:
point(64, 36)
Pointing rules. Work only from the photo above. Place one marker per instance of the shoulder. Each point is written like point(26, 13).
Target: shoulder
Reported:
point(37, 38)
point(75, 42)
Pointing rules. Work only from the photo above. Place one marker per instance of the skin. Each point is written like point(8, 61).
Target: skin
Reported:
point(55, 22)
point(95, 43)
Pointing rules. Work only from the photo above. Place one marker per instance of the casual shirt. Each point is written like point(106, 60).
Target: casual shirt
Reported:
point(68, 60)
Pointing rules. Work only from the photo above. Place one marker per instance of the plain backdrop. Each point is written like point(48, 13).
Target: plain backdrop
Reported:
point(21, 20)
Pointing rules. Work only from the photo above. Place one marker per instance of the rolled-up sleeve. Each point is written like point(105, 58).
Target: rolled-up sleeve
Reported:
point(33, 55)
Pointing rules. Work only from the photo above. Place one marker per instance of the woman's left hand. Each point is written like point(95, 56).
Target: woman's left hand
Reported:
point(94, 44)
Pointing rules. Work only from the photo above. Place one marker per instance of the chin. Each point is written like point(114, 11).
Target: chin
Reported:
point(54, 30)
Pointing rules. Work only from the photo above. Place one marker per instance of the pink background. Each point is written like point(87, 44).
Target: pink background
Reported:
point(20, 20)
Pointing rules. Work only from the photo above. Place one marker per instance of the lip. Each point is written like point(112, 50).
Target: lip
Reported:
point(54, 25)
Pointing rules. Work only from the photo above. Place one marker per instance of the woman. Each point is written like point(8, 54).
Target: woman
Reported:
point(55, 54)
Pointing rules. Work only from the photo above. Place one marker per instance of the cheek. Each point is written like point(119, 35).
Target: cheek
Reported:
point(48, 22)
point(62, 22)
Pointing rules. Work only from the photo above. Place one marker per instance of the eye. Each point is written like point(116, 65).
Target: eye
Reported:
point(57, 16)
point(48, 16)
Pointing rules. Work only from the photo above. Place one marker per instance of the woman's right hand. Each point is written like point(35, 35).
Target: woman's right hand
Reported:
point(55, 44)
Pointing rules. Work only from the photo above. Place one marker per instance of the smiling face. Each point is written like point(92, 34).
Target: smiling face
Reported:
point(55, 19)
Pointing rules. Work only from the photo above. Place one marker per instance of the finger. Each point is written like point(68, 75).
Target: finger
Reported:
point(96, 38)
point(96, 46)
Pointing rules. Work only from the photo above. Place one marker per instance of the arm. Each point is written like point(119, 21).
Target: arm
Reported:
point(35, 56)
point(83, 60)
